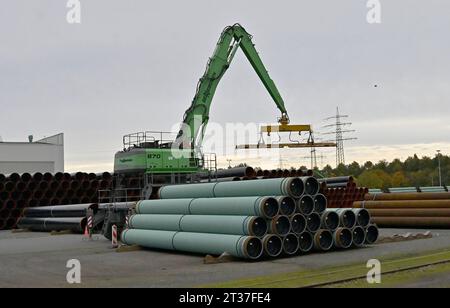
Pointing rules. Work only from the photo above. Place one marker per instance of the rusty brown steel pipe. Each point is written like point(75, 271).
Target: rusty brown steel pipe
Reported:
point(410, 212)
point(416, 204)
point(407, 196)
point(412, 222)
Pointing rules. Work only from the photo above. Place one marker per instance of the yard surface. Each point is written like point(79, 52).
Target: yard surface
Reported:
point(39, 260)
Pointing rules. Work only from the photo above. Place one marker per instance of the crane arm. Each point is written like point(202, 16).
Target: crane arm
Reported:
point(197, 116)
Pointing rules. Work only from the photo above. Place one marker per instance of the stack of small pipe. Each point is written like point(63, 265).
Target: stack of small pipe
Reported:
point(18, 192)
point(408, 210)
point(249, 173)
point(57, 218)
point(342, 192)
point(250, 220)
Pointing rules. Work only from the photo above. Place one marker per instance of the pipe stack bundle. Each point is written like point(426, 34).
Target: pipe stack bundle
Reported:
point(342, 191)
point(56, 218)
point(249, 173)
point(408, 210)
point(19, 192)
point(406, 190)
point(247, 219)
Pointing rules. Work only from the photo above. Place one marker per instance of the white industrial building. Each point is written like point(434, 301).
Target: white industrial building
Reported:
point(45, 155)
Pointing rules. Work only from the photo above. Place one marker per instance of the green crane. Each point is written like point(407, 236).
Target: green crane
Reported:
point(147, 153)
point(197, 116)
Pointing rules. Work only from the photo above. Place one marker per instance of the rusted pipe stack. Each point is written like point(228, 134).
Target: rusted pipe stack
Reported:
point(21, 191)
point(408, 210)
point(342, 192)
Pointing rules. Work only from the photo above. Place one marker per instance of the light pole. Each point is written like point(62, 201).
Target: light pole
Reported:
point(439, 166)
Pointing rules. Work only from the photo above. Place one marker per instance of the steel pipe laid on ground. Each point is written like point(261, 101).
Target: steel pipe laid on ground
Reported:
point(298, 223)
point(341, 179)
point(372, 234)
point(412, 222)
point(237, 225)
point(323, 240)
point(266, 207)
point(359, 236)
point(233, 172)
point(305, 205)
point(347, 218)
point(292, 187)
point(410, 212)
point(330, 220)
point(311, 185)
point(290, 244)
point(287, 205)
point(305, 242)
point(273, 245)
point(247, 247)
point(362, 217)
point(75, 210)
point(407, 196)
point(416, 204)
point(343, 238)
point(75, 224)
point(313, 222)
point(279, 225)
point(320, 203)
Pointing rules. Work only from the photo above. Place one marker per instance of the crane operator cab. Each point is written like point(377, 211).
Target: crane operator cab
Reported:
point(152, 152)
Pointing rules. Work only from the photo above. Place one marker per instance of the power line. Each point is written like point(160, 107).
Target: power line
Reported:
point(339, 132)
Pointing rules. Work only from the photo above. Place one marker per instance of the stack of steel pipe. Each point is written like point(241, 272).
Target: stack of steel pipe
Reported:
point(21, 191)
point(408, 210)
point(57, 218)
point(341, 192)
point(249, 173)
point(246, 219)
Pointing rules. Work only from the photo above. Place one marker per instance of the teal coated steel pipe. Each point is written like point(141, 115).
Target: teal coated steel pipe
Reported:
point(359, 236)
point(298, 223)
point(237, 225)
point(247, 247)
point(280, 225)
point(266, 207)
point(175, 206)
point(330, 220)
point(372, 234)
point(306, 242)
point(323, 240)
point(162, 222)
point(313, 222)
point(186, 191)
point(290, 244)
point(347, 218)
point(149, 238)
point(320, 203)
point(287, 205)
point(311, 185)
point(343, 238)
point(362, 217)
point(305, 205)
point(292, 187)
point(273, 245)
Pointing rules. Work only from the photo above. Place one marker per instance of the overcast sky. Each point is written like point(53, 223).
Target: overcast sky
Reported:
point(134, 65)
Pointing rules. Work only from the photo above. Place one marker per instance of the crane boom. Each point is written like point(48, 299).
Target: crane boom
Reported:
point(197, 116)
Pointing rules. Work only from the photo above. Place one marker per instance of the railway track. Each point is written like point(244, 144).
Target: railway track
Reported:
point(342, 274)
point(335, 282)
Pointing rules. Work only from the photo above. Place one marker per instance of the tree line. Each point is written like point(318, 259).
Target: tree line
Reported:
point(413, 172)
